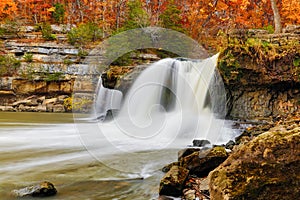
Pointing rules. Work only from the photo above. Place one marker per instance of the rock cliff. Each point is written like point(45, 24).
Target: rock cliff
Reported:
point(261, 73)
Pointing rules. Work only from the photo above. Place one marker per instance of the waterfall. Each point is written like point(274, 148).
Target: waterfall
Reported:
point(170, 101)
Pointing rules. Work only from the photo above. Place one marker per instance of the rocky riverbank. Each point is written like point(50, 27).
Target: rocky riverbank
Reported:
point(262, 163)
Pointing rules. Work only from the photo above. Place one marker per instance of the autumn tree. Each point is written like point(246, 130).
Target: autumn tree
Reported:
point(7, 9)
point(171, 18)
point(59, 12)
point(290, 12)
point(137, 16)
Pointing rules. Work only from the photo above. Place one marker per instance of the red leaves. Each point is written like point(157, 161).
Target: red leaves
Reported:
point(199, 17)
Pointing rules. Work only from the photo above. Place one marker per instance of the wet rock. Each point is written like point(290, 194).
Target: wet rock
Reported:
point(200, 143)
point(173, 182)
point(43, 189)
point(230, 145)
point(125, 81)
point(266, 168)
point(202, 162)
point(169, 166)
point(188, 151)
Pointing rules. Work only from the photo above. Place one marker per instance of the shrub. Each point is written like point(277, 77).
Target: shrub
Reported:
point(68, 61)
point(46, 31)
point(8, 65)
point(12, 28)
point(59, 13)
point(77, 104)
point(82, 53)
point(28, 57)
point(56, 76)
point(84, 33)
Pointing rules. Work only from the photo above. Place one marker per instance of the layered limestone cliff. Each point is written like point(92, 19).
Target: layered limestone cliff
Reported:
point(261, 73)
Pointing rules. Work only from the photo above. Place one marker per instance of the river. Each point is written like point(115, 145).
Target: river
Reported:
point(46, 146)
point(120, 159)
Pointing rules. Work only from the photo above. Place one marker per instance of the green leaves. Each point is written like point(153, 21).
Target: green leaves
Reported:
point(84, 33)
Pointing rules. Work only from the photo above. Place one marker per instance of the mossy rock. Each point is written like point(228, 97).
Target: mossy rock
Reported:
point(265, 168)
point(173, 182)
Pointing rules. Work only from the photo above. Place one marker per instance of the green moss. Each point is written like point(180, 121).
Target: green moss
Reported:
point(220, 151)
point(296, 61)
point(259, 54)
point(229, 65)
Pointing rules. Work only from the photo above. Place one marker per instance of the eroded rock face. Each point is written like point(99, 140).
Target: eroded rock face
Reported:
point(255, 102)
point(265, 168)
point(43, 189)
point(173, 182)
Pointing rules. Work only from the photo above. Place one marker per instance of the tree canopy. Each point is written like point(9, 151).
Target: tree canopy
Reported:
point(196, 17)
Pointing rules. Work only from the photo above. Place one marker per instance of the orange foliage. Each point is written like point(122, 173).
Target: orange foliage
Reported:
point(7, 8)
point(290, 11)
point(199, 17)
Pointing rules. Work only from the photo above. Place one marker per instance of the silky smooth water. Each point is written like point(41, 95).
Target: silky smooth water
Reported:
point(166, 108)
point(42, 146)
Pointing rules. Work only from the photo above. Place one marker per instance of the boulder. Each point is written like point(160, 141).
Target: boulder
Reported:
point(200, 163)
point(266, 167)
point(200, 143)
point(167, 168)
point(230, 145)
point(43, 189)
point(173, 182)
point(187, 151)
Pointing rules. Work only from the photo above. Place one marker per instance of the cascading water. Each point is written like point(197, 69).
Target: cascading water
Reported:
point(168, 105)
point(171, 103)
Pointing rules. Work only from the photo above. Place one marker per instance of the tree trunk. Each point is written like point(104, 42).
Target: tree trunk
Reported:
point(277, 20)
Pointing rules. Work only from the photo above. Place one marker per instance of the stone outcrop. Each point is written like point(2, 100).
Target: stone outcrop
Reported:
point(261, 73)
point(172, 183)
point(36, 103)
point(266, 167)
point(186, 177)
point(44, 189)
point(49, 69)
point(200, 163)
